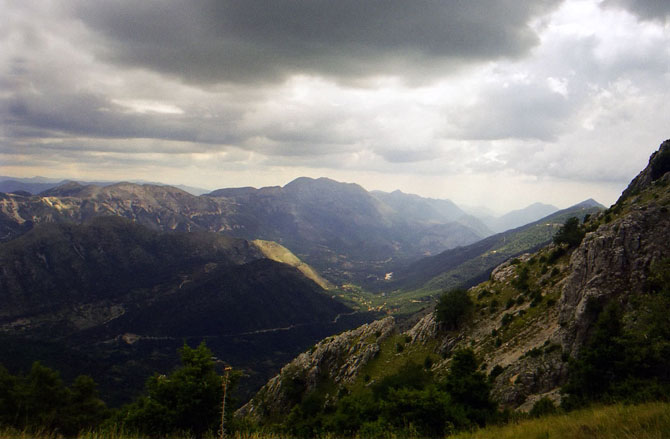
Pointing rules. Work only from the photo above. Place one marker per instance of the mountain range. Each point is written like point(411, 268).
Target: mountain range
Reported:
point(345, 232)
point(579, 320)
point(111, 279)
point(115, 299)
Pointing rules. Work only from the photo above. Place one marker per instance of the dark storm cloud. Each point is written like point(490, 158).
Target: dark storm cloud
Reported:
point(645, 9)
point(54, 114)
point(213, 41)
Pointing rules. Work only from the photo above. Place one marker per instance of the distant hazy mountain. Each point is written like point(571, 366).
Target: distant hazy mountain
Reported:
point(114, 299)
point(341, 229)
point(520, 217)
point(36, 185)
point(469, 265)
point(10, 186)
point(430, 210)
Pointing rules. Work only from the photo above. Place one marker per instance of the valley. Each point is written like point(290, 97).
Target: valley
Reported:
point(320, 293)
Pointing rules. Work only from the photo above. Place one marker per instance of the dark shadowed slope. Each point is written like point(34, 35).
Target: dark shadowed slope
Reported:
point(114, 299)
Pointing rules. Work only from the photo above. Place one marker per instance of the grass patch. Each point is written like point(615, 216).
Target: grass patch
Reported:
point(389, 360)
point(644, 421)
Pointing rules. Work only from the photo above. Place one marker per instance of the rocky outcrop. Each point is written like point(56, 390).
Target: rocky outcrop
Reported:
point(424, 330)
point(658, 165)
point(613, 262)
point(339, 359)
point(528, 376)
point(507, 269)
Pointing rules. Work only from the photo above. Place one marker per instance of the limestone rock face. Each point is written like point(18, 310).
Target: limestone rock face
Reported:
point(424, 330)
point(528, 376)
point(646, 177)
point(507, 270)
point(611, 263)
point(339, 359)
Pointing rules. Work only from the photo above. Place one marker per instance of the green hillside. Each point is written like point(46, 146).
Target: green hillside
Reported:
point(417, 285)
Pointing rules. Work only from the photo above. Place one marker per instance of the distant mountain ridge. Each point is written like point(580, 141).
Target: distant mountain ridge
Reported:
point(37, 185)
point(341, 229)
point(468, 265)
point(520, 217)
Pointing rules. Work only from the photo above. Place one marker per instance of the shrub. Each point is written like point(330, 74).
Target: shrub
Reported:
point(469, 388)
point(497, 370)
point(570, 233)
point(40, 402)
point(453, 308)
point(188, 400)
point(543, 407)
point(520, 282)
point(507, 319)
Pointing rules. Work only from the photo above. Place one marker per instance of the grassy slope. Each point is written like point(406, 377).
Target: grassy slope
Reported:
point(461, 267)
point(645, 421)
point(279, 253)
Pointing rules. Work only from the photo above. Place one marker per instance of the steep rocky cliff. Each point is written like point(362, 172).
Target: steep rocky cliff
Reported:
point(338, 359)
point(532, 315)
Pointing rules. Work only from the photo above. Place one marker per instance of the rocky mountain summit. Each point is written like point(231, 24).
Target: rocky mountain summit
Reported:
point(534, 313)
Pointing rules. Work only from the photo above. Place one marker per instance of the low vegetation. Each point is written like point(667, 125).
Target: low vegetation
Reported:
point(644, 421)
point(39, 402)
point(410, 402)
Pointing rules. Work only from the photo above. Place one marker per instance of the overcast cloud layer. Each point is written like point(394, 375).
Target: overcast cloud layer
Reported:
point(485, 102)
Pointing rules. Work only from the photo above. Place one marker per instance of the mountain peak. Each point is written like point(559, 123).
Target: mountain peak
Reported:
point(68, 188)
point(659, 165)
point(589, 203)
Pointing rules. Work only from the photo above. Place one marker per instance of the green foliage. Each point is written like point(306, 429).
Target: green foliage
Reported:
point(543, 407)
point(409, 376)
point(627, 357)
point(469, 388)
point(495, 372)
point(452, 308)
point(554, 256)
point(570, 233)
point(188, 400)
point(520, 282)
point(40, 401)
point(410, 402)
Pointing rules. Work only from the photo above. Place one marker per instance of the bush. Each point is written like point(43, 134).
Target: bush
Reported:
point(188, 400)
point(469, 388)
point(543, 407)
point(520, 282)
point(40, 401)
point(570, 233)
point(506, 319)
point(453, 308)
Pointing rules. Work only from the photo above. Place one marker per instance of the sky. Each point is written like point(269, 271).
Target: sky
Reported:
point(499, 103)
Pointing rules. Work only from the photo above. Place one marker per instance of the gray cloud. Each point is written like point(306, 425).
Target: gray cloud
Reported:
point(645, 9)
point(521, 111)
point(211, 41)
